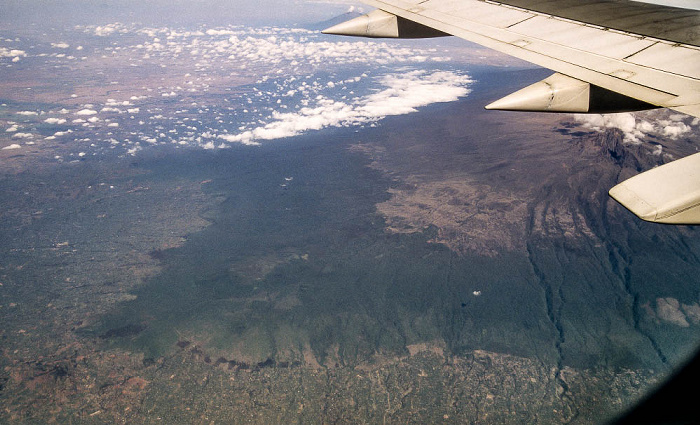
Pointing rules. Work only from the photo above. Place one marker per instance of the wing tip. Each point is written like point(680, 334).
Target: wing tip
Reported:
point(682, 212)
point(633, 202)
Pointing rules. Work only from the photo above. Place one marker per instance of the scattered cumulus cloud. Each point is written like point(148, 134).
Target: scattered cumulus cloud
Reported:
point(270, 83)
point(635, 128)
point(103, 31)
point(675, 130)
point(626, 122)
point(668, 310)
point(55, 121)
point(243, 47)
point(402, 94)
point(15, 54)
point(672, 311)
point(22, 136)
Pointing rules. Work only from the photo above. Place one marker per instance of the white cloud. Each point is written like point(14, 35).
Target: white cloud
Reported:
point(12, 53)
point(297, 65)
point(113, 102)
point(675, 130)
point(623, 121)
point(634, 128)
point(106, 30)
point(403, 93)
point(12, 146)
point(132, 151)
point(283, 48)
point(55, 121)
point(27, 113)
point(668, 310)
point(221, 32)
point(23, 136)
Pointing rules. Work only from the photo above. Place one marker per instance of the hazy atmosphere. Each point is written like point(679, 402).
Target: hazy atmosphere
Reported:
point(213, 213)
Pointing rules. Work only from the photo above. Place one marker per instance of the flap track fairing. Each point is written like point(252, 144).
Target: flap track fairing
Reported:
point(561, 93)
point(381, 24)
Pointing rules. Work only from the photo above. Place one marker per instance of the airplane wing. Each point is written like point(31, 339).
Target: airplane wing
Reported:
point(609, 56)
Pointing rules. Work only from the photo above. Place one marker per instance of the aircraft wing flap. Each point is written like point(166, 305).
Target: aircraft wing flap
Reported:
point(666, 194)
point(649, 20)
point(693, 110)
point(532, 36)
point(480, 12)
point(582, 37)
point(672, 58)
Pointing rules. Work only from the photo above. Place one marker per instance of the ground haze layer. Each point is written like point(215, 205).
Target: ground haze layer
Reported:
point(264, 225)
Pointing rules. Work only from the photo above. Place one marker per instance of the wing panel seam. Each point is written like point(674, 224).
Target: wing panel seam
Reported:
point(520, 22)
